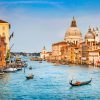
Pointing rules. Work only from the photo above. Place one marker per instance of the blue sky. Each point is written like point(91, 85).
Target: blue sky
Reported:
point(42, 22)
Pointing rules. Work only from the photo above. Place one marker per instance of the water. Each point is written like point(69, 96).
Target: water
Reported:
point(50, 83)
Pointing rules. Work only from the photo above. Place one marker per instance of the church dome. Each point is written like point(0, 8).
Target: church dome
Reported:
point(73, 34)
point(89, 34)
point(73, 30)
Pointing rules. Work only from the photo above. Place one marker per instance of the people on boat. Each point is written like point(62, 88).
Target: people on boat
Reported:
point(78, 83)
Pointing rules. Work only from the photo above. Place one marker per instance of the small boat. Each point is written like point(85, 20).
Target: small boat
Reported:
point(19, 68)
point(30, 76)
point(56, 64)
point(30, 68)
point(10, 70)
point(1, 73)
point(79, 83)
point(40, 61)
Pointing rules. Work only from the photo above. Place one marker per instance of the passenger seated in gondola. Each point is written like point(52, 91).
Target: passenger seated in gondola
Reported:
point(78, 83)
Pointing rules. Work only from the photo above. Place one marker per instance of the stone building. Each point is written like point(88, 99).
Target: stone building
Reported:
point(4, 31)
point(90, 47)
point(44, 54)
point(97, 34)
point(74, 53)
point(2, 52)
point(57, 50)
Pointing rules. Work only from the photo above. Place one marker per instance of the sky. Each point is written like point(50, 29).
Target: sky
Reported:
point(39, 23)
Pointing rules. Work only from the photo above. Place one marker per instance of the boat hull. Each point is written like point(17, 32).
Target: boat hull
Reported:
point(29, 77)
point(82, 83)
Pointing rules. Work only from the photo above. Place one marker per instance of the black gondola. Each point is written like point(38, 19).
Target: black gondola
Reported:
point(30, 77)
point(79, 83)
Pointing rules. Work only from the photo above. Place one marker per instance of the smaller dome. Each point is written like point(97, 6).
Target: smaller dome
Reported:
point(89, 34)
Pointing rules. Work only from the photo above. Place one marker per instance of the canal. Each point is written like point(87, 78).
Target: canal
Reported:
point(50, 83)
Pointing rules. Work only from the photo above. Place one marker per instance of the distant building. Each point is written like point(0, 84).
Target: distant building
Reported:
point(4, 31)
point(73, 34)
point(44, 54)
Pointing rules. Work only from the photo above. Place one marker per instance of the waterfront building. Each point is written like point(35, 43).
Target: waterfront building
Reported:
point(94, 57)
point(90, 48)
point(74, 53)
point(2, 51)
point(69, 50)
point(97, 34)
point(57, 50)
point(49, 57)
point(4, 31)
point(64, 53)
point(73, 34)
point(84, 58)
point(74, 50)
point(87, 46)
point(44, 54)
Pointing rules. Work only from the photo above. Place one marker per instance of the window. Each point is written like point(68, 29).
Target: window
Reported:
point(3, 34)
point(3, 28)
point(0, 56)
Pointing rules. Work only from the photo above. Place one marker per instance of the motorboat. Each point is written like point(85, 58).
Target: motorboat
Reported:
point(10, 70)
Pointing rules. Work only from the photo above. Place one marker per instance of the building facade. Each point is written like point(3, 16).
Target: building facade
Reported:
point(91, 46)
point(44, 54)
point(57, 50)
point(2, 52)
point(4, 31)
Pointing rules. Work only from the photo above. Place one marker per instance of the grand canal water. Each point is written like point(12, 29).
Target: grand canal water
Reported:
point(50, 83)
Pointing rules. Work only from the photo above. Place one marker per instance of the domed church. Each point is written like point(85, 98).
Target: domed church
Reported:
point(89, 37)
point(73, 34)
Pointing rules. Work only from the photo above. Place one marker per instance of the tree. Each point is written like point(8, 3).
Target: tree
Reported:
point(8, 55)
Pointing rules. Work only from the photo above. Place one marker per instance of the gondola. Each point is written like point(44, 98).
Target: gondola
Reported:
point(30, 68)
point(30, 76)
point(80, 83)
point(40, 61)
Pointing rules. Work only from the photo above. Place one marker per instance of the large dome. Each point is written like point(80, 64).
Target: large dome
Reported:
point(73, 34)
point(73, 31)
point(89, 34)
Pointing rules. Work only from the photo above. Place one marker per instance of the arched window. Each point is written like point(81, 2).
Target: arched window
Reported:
point(3, 34)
